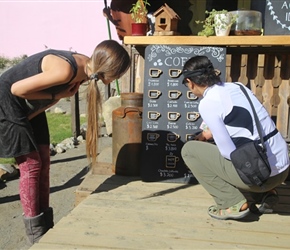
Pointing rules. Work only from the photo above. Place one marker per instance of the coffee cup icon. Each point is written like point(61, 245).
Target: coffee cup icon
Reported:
point(174, 73)
point(154, 72)
point(174, 94)
point(191, 96)
point(172, 137)
point(151, 137)
point(192, 116)
point(171, 161)
point(217, 72)
point(153, 115)
point(154, 94)
point(173, 116)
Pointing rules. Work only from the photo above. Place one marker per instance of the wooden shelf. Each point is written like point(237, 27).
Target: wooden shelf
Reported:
point(212, 40)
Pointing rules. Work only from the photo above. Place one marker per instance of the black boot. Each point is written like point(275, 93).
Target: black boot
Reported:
point(48, 217)
point(35, 227)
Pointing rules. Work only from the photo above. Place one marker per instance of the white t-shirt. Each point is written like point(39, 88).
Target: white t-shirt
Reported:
point(228, 114)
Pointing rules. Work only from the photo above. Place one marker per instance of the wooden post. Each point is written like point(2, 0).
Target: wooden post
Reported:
point(283, 106)
point(252, 70)
point(75, 116)
point(267, 88)
point(236, 67)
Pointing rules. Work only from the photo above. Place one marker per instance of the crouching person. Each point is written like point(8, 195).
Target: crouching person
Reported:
point(227, 112)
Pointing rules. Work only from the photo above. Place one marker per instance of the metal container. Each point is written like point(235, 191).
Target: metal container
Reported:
point(127, 135)
point(248, 23)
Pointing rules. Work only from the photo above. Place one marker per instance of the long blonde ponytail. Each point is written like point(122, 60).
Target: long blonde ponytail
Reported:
point(109, 61)
point(94, 109)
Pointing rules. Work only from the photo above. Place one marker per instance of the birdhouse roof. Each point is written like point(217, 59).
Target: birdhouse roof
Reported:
point(170, 12)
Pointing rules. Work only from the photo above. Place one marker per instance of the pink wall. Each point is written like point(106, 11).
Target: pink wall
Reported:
point(27, 27)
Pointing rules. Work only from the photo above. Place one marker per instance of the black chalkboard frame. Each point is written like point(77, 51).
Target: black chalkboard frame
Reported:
point(170, 112)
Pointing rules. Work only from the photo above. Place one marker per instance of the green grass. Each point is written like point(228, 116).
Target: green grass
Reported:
point(60, 126)
point(7, 161)
point(59, 129)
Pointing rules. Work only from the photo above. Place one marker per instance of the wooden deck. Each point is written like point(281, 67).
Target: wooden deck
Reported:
point(126, 213)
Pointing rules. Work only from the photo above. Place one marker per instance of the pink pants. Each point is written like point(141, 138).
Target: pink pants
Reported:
point(34, 181)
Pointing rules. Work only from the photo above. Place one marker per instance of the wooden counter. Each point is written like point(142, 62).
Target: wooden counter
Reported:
point(212, 40)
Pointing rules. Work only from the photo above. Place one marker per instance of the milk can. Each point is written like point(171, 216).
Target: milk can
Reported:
point(127, 135)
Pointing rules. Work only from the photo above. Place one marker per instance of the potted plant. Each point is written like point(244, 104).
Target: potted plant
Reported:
point(139, 15)
point(218, 22)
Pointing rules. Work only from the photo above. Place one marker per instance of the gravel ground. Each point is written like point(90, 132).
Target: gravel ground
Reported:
point(67, 172)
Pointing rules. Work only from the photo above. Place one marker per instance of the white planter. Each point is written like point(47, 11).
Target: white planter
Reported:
point(222, 24)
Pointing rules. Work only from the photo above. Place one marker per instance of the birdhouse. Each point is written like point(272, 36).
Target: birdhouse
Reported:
point(166, 21)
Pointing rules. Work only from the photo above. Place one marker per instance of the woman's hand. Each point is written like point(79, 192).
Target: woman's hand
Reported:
point(205, 135)
point(71, 90)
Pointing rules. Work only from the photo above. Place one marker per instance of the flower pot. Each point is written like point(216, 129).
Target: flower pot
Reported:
point(139, 29)
point(222, 24)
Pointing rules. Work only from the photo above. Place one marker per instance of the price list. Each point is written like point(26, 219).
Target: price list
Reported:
point(170, 110)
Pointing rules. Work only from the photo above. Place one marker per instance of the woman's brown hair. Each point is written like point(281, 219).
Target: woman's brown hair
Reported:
point(109, 61)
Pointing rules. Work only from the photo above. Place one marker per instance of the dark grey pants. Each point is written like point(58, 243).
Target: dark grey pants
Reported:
point(218, 175)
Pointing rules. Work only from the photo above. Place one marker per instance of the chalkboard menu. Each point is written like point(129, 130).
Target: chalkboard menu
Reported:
point(170, 110)
point(277, 17)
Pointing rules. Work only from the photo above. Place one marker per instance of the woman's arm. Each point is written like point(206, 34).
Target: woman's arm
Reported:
point(42, 95)
point(210, 114)
point(70, 91)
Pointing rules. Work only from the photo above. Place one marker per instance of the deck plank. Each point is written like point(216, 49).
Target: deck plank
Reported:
point(126, 213)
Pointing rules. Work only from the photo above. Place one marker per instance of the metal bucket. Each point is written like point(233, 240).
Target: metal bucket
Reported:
point(127, 135)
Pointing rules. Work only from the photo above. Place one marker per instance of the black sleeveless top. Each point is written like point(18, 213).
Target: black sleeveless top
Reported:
point(17, 133)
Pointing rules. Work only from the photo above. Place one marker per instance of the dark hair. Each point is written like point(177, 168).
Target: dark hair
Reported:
point(200, 70)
